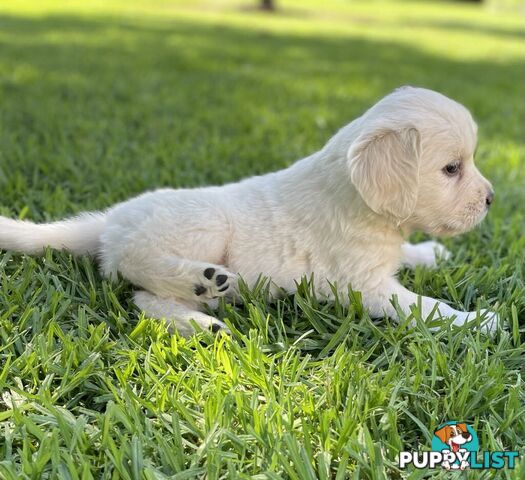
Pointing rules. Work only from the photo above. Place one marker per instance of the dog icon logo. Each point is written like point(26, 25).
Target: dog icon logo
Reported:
point(455, 446)
point(458, 438)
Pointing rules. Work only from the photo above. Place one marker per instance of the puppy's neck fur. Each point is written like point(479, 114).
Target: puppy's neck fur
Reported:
point(318, 189)
point(328, 198)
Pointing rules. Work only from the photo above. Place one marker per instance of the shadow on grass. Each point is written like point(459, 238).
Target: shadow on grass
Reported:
point(99, 109)
point(460, 26)
point(167, 68)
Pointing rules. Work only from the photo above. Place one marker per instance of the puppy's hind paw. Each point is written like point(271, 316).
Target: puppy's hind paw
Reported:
point(218, 326)
point(178, 316)
point(215, 282)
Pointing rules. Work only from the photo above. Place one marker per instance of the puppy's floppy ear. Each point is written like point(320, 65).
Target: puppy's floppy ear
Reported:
point(462, 427)
point(443, 433)
point(384, 167)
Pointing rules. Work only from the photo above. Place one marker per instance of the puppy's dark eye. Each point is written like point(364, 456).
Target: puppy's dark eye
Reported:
point(452, 169)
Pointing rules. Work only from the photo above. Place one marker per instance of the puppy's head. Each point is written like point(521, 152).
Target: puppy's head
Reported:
point(413, 161)
point(454, 435)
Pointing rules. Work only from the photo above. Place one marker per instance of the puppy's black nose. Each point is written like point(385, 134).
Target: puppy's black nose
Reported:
point(465, 434)
point(490, 198)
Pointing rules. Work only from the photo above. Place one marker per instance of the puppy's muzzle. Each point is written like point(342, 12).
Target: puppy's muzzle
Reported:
point(489, 198)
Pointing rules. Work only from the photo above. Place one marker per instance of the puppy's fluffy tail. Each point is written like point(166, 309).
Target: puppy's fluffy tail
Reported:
point(80, 235)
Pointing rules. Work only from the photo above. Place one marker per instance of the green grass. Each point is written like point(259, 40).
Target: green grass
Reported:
point(101, 100)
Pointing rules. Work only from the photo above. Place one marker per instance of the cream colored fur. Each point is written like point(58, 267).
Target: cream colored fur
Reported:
point(340, 214)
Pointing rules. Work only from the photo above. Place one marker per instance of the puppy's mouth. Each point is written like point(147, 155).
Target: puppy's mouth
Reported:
point(456, 227)
point(460, 440)
point(455, 446)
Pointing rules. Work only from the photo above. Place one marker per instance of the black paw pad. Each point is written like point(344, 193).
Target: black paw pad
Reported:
point(215, 327)
point(209, 272)
point(220, 280)
point(199, 289)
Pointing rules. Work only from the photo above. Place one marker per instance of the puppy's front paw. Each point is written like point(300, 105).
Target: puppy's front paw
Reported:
point(424, 253)
point(489, 320)
point(214, 282)
point(441, 251)
point(429, 253)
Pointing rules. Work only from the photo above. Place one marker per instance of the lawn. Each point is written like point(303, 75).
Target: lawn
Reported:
point(102, 100)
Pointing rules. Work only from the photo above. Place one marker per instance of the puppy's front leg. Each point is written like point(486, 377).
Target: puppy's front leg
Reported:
point(424, 253)
point(430, 307)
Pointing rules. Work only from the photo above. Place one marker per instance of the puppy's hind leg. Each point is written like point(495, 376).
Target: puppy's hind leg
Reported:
point(190, 281)
point(176, 313)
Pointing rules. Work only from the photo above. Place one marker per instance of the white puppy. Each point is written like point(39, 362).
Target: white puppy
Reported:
point(340, 214)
